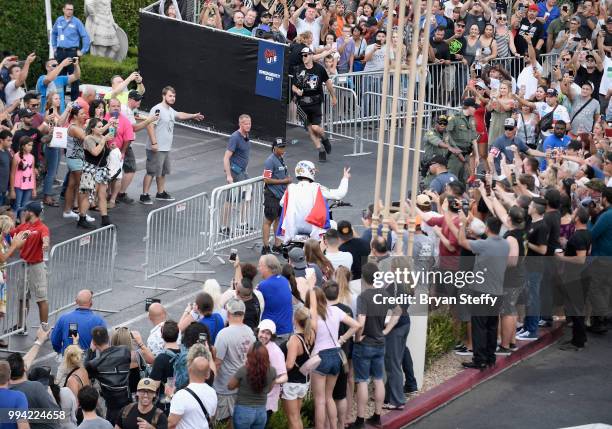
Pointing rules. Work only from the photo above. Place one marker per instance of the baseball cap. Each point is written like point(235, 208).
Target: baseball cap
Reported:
point(266, 15)
point(235, 306)
point(423, 200)
point(345, 230)
point(267, 325)
point(596, 185)
point(34, 207)
point(306, 50)
point(552, 92)
point(481, 84)
point(477, 227)
point(297, 258)
point(135, 95)
point(470, 102)
point(26, 113)
point(148, 384)
point(533, 6)
point(509, 123)
point(443, 119)
point(279, 142)
point(438, 159)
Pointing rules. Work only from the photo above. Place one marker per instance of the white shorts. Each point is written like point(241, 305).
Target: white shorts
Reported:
point(293, 391)
point(115, 164)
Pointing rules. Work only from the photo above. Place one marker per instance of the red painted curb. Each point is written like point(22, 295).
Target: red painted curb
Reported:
point(464, 381)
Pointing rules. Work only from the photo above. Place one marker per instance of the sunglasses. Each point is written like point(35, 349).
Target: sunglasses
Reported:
point(36, 105)
point(566, 59)
point(305, 55)
point(461, 25)
point(53, 65)
point(502, 18)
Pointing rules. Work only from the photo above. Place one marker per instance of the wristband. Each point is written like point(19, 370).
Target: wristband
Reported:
point(38, 343)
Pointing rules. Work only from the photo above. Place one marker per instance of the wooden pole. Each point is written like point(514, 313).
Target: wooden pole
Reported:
point(381, 131)
point(414, 48)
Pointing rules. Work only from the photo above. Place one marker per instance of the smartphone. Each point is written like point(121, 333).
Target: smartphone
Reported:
point(513, 178)
point(150, 301)
point(73, 329)
point(26, 234)
point(233, 254)
point(51, 111)
point(115, 115)
point(157, 111)
point(203, 338)
point(465, 206)
point(487, 189)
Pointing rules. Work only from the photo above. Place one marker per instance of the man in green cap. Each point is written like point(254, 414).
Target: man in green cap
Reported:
point(463, 136)
point(435, 142)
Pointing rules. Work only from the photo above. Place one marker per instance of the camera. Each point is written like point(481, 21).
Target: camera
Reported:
point(73, 330)
point(150, 301)
point(454, 204)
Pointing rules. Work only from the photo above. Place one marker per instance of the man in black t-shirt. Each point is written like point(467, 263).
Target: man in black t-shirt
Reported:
point(360, 249)
point(133, 415)
point(550, 280)
point(593, 72)
point(537, 238)
point(439, 54)
point(163, 365)
point(308, 86)
point(26, 130)
point(529, 26)
point(576, 251)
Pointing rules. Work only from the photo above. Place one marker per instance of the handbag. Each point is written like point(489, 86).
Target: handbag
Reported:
point(546, 122)
point(312, 363)
point(60, 138)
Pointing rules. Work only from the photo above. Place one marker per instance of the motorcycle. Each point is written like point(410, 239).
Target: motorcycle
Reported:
point(299, 239)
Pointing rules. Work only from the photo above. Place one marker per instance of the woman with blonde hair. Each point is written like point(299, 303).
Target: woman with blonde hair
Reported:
point(297, 351)
point(76, 374)
point(501, 107)
point(343, 278)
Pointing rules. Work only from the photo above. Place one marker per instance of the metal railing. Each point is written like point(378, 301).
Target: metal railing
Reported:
point(83, 262)
point(236, 214)
point(344, 119)
point(12, 299)
point(176, 234)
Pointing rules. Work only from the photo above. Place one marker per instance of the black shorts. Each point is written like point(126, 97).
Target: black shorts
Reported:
point(129, 162)
point(340, 387)
point(314, 114)
point(272, 208)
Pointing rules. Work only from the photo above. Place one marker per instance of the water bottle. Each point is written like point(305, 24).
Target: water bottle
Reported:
point(45, 255)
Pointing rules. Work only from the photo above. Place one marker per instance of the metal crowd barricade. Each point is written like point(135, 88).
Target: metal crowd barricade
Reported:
point(344, 119)
point(13, 295)
point(236, 214)
point(446, 83)
point(83, 262)
point(176, 234)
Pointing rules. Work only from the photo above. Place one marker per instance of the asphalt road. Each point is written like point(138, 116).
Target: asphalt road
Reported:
point(553, 389)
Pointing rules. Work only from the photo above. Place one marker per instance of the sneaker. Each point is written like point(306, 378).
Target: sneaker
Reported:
point(356, 425)
point(89, 218)
point(145, 199)
point(568, 346)
point(410, 389)
point(526, 336)
point(265, 250)
point(123, 198)
point(70, 215)
point(513, 347)
point(326, 145)
point(164, 196)
point(459, 346)
point(464, 351)
point(520, 331)
point(374, 420)
point(519, 328)
point(277, 250)
point(544, 323)
point(503, 351)
point(84, 223)
point(322, 156)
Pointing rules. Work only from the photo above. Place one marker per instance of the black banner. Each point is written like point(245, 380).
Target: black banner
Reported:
point(213, 72)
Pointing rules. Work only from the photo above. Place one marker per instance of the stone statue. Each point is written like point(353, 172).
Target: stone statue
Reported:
point(107, 38)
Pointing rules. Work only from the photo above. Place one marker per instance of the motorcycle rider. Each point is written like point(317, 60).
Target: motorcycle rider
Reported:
point(304, 203)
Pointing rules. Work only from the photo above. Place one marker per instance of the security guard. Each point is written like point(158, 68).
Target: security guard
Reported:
point(276, 181)
point(463, 136)
point(435, 142)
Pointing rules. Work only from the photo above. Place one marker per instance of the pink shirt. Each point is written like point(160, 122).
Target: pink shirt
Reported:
point(124, 133)
point(328, 328)
point(277, 361)
point(24, 174)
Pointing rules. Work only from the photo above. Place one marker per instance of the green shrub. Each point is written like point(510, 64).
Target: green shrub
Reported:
point(99, 70)
point(440, 335)
point(24, 27)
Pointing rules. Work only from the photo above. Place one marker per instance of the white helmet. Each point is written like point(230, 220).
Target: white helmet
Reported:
point(305, 169)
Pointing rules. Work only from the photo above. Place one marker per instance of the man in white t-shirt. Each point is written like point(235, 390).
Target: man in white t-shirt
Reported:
point(310, 22)
point(528, 80)
point(376, 53)
point(194, 406)
point(331, 240)
point(551, 105)
point(605, 87)
point(450, 6)
point(18, 75)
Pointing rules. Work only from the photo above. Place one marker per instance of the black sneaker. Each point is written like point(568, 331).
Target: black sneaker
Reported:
point(459, 346)
point(357, 424)
point(105, 221)
point(326, 145)
point(82, 223)
point(410, 389)
point(374, 420)
point(568, 346)
point(164, 196)
point(145, 199)
point(513, 347)
point(464, 351)
point(123, 198)
point(265, 250)
point(322, 156)
point(277, 250)
point(503, 351)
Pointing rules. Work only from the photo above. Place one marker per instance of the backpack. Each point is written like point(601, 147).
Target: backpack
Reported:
point(179, 365)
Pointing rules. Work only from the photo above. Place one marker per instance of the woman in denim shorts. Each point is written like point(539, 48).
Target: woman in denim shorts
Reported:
point(326, 322)
point(75, 153)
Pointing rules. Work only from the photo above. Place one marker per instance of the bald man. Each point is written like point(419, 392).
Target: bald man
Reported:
point(85, 321)
point(185, 410)
point(157, 317)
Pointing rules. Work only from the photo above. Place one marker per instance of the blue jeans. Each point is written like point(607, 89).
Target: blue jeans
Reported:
point(368, 362)
point(249, 417)
point(22, 197)
point(534, 279)
point(3, 198)
point(52, 155)
point(330, 362)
